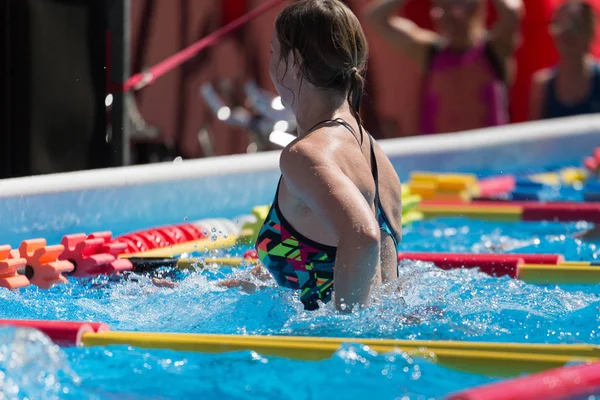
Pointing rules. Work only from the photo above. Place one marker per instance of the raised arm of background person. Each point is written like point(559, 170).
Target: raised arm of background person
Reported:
point(537, 94)
point(400, 33)
point(322, 186)
point(505, 35)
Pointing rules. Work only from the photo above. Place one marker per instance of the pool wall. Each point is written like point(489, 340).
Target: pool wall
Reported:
point(129, 198)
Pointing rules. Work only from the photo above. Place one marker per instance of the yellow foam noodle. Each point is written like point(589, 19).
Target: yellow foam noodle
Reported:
point(405, 190)
point(570, 350)
point(575, 264)
point(454, 185)
point(200, 245)
point(498, 365)
point(558, 274)
point(547, 178)
point(488, 213)
point(250, 230)
point(437, 177)
point(411, 217)
point(573, 175)
point(491, 359)
point(463, 196)
point(475, 191)
point(424, 177)
point(187, 263)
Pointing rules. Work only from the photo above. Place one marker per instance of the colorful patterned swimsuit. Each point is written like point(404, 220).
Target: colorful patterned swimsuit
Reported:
point(299, 263)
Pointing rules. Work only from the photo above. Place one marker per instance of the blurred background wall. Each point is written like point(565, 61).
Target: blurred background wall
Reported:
point(54, 84)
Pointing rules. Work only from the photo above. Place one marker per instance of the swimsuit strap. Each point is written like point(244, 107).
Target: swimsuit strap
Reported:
point(338, 121)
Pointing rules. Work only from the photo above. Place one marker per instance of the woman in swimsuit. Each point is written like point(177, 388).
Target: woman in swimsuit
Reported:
point(466, 70)
point(572, 87)
point(336, 214)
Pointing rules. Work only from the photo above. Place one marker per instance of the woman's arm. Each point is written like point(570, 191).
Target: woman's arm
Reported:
point(505, 35)
point(537, 95)
point(335, 199)
point(401, 33)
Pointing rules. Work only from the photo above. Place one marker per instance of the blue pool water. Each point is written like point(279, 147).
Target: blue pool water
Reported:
point(431, 304)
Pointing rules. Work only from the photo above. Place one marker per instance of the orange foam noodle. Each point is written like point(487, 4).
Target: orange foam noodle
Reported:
point(454, 185)
point(424, 189)
point(47, 269)
point(9, 277)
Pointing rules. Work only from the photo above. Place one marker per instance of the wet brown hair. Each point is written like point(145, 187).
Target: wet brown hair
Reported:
point(332, 46)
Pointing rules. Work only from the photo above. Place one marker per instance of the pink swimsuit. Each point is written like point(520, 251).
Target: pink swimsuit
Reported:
point(463, 91)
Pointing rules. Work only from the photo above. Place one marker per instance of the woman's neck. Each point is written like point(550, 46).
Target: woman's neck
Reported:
point(575, 67)
point(314, 107)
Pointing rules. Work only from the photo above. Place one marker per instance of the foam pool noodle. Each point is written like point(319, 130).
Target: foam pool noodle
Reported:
point(250, 229)
point(409, 204)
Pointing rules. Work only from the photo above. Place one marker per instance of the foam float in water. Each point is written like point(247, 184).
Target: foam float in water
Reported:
point(485, 358)
point(528, 189)
point(505, 362)
point(43, 268)
point(566, 383)
point(454, 187)
point(591, 191)
point(514, 211)
point(592, 163)
point(168, 235)
point(147, 264)
point(63, 333)
point(530, 268)
point(200, 245)
point(94, 254)
point(9, 276)
point(496, 186)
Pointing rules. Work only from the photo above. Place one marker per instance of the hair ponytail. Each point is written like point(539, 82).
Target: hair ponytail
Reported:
point(355, 94)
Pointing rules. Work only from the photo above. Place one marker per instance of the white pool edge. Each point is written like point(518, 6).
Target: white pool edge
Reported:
point(488, 138)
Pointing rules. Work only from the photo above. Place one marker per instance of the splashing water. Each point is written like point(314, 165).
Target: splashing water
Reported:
point(424, 303)
point(32, 366)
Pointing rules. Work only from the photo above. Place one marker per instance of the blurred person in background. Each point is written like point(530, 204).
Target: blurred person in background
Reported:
point(573, 86)
point(467, 70)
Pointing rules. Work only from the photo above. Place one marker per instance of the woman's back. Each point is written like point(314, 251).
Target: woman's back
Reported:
point(327, 229)
point(343, 145)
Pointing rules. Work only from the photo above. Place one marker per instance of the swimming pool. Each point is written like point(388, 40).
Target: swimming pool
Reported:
point(433, 304)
